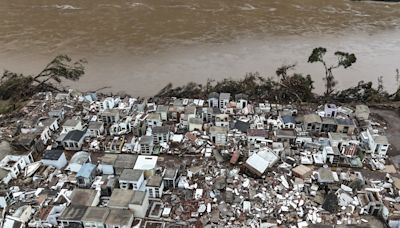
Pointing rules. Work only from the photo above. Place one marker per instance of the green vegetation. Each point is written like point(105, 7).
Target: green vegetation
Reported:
point(289, 87)
point(345, 60)
point(16, 88)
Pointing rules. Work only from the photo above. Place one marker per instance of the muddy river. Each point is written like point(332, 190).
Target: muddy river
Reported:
point(138, 46)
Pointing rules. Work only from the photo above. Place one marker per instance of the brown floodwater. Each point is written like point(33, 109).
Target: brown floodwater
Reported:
point(138, 46)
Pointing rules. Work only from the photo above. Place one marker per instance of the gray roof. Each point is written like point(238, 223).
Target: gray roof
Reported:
point(75, 135)
point(138, 197)
point(96, 214)
point(241, 96)
point(146, 140)
point(73, 213)
point(71, 123)
point(381, 139)
point(119, 217)
point(160, 130)
point(312, 118)
point(131, 174)
point(224, 96)
point(125, 161)
point(170, 173)
point(213, 95)
point(154, 181)
point(95, 125)
point(83, 197)
point(162, 108)
point(53, 155)
point(120, 198)
point(343, 121)
point(196, 120)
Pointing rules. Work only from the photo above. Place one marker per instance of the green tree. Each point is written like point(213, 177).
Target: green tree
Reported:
point(344, 60)
point(294, 86)
point(19, 87)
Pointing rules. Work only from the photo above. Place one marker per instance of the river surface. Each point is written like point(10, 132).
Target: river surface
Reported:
point(138, 46)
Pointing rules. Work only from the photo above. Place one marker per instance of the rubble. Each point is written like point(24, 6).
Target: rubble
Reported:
point(204, 163)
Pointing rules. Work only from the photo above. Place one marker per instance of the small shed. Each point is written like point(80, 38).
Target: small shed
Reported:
point(55, 158)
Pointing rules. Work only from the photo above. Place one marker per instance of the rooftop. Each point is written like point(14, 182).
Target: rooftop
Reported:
point(120, 198)
point(154, 181)
point(83, 197)
point(86, 170)
point(146, 162)
point(52, 155)
point(131, 175)
point(73, 213)
point(119, 218)
point(96, 214)
point(74, 135)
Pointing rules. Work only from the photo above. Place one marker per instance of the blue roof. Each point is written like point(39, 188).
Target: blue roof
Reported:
point(288, 119)
point(86, 170)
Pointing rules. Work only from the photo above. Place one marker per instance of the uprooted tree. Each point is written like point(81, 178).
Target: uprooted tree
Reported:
point(294, 86)
point(345, 60)
point(18, 87)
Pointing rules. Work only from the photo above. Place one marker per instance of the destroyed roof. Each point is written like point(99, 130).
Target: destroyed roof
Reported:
point(312, 118)
point(52, 155)
point(160, 130)
point(96, 214)
point(83, 197)
point(119, 218)
point(74, 135)
point(73, 213)
point(154, 181)
point(86, 170)
point(131, 175)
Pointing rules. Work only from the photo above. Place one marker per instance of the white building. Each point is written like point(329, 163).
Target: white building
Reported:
point(131, 179)
point(71, 124)
point(222, 120)
point(155, 186)
point(377, 145)
point(224, 99)
point(11, 166)
point(54, 158)
point(219, 135)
